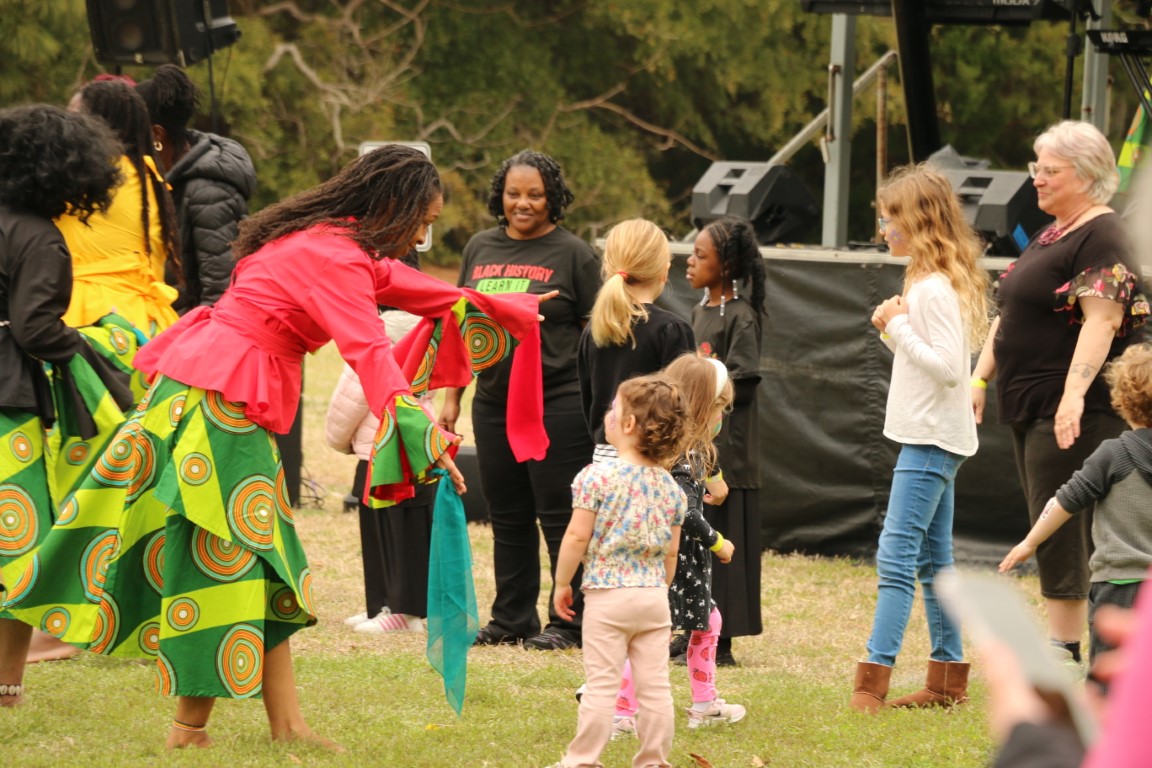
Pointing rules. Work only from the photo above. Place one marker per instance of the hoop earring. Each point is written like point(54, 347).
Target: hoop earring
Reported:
point(158, 146)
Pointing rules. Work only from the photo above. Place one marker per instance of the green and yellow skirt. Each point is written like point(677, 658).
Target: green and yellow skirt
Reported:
point(178, 545)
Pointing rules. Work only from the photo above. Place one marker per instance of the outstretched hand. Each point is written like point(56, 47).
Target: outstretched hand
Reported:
point(1019, 554)
point(543, 297)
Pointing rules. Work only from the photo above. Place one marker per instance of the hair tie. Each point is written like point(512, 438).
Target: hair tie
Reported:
point(623, 274)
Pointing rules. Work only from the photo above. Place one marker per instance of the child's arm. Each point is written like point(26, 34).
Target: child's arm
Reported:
point(1051, 519)
point(715, 490)
point(670, 556)
point(572, 550)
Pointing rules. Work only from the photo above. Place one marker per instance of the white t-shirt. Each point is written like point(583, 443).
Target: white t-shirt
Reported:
point(929, 401)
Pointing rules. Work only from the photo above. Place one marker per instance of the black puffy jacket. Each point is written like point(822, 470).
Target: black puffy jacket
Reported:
point(211, 185)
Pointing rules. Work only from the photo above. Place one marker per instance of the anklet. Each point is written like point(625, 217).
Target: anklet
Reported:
point(11, 690)
point(189, 728)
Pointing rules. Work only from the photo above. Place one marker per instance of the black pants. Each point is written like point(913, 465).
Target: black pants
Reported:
point(394, 543)
point(519, 495)
point(1043, 466)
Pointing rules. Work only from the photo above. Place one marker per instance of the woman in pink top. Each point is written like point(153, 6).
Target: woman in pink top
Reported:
point(186, 540)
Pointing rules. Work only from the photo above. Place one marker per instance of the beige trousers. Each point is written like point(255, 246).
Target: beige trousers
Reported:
point(628, 623)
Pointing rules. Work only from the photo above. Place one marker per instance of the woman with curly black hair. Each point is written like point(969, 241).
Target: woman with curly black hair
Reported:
point(119, 256)
point(528, 251)
point(51, 161)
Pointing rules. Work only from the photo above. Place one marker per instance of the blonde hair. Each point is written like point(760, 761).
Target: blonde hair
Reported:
point(1130, 377)
point(636, 253)
point(658, 407)
point(1088, 151)
point(696, 379)
point(922, 206)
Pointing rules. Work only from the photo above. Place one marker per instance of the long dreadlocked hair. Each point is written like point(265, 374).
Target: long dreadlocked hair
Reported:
point(118, 105)
point(172, 99)
point(54, 162)
point(740, 259)
point(379, 200)
point(555, 189)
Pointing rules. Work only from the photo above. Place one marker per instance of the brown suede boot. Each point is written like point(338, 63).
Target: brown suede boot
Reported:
point(871, 686)
point(947, 685)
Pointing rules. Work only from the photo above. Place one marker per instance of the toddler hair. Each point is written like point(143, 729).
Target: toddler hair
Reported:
point(659, 410)
point(705, 386)
point(636, 254)
point(1130, 377)
point(924, 209)
point(740, 259)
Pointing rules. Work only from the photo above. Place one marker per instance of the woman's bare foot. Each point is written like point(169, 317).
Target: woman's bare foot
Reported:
point(308, 737)
point(45, 647)
point(12, 700)
point(179, 738)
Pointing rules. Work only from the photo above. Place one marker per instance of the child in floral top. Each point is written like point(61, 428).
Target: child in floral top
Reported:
point(625, 529)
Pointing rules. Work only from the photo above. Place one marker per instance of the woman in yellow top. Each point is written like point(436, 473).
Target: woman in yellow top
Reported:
point(119, 256)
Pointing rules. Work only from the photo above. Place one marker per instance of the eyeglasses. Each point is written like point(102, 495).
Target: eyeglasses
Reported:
point(1036, 171)
point(883, 223)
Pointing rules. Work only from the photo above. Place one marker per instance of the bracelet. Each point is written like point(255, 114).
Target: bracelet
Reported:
point(716, 477)
point(979, 383)
point(189, 728)
point(12, 690)
point(719, 542)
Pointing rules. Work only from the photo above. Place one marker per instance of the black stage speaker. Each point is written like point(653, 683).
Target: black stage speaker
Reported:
point(159, 31)
point(772, 197)
point(1001, 206)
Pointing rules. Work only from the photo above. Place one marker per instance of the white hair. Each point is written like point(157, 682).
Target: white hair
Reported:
point(1089, 153)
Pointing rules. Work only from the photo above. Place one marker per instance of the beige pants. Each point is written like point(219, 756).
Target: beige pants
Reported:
point(629, 623)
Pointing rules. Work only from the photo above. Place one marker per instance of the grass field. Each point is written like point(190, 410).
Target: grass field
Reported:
point(377, 695)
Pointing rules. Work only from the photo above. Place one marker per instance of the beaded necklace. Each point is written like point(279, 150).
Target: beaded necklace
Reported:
point(1054, 233)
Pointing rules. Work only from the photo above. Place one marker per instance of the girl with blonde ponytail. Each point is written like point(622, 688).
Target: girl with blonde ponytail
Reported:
point(628, 334)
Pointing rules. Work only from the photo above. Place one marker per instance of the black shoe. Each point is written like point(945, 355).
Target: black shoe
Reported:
point(679, 645)
point(552, 639)
point(724, 658)
point(489, 636)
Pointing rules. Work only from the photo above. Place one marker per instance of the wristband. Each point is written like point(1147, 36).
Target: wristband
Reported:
point(716, 477)
point(979, 383)
point(719, 542)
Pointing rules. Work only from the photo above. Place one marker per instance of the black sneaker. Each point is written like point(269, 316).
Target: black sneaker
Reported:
point(724, 658)
point(679, 645)
point(489, 636)
point(552, 639)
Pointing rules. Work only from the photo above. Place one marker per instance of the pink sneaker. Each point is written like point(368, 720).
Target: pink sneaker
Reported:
point(395, 622)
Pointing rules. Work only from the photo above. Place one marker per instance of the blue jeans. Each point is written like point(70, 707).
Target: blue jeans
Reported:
point(916, 543)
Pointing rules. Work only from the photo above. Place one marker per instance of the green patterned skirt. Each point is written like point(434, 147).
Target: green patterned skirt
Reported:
point(179, 545)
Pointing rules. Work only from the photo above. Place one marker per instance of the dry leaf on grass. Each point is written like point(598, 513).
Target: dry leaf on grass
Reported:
point(701, 762)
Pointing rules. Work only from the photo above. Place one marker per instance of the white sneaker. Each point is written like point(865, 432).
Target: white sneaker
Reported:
point(393, 622)
point(622, 727)
point(362, 617)
point(719, 712)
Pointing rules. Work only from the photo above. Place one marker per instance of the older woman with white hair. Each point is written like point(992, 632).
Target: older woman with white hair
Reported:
point(1067, 307)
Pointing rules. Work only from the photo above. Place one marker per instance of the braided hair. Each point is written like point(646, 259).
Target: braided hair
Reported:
point(54, 162)
point(172, 100)
point(555, 188)
point(379, 200)
point(740, 259)
point(118, 105)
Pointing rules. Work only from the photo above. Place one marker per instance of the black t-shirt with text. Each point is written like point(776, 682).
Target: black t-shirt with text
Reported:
point(496, 263)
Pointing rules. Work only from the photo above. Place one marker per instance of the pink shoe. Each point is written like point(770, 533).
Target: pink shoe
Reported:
point(395, 622)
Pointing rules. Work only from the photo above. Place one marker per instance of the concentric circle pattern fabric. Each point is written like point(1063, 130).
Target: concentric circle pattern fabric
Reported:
point(178, 545)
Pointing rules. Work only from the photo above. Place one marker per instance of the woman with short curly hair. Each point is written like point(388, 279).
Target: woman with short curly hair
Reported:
point(528, 251)
point(51, 162)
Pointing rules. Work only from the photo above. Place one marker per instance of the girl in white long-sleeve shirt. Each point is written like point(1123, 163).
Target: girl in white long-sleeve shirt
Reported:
point(931, 329)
